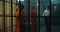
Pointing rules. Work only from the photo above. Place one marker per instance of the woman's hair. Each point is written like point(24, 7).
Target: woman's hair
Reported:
point(20, 6)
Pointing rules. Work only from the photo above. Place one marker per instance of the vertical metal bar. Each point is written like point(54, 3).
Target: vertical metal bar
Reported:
point(39, 16)
point(11, 15)
point(50, 15)
point(28, 15)
point(3, 24)
point(6, 17)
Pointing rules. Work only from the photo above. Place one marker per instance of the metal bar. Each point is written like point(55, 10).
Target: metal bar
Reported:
point(5, 17)
point(28, 15)
point(50, 16)
point(3, 24)
point(39, 16)
point(31, 16)
point(11, 15)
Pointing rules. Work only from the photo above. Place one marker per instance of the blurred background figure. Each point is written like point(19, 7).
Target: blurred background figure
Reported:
point(34, 19)
point(20, 19)
point(46, 13)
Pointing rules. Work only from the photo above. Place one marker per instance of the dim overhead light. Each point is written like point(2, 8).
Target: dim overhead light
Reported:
point(37, 4)
point(20, 0)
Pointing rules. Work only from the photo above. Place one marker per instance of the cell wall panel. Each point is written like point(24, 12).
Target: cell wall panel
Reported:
point(1, 7)
point(7, 8)
point(14, 9)
point(0, 22)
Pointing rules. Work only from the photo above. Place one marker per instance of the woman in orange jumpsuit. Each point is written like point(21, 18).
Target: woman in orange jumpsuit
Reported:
point(34, 20)
point(20, 19)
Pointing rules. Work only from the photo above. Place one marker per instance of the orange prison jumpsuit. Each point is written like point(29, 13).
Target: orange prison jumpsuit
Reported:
point(34, 21)
point(20, 23)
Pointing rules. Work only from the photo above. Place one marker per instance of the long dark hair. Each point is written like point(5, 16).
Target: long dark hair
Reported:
point(20, 6)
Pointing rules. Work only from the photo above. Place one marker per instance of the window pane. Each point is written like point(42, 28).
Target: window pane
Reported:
point(1, 5)
point(55, 7)
point(34, 7)
point(7, 8)
point(8, 24)
point(14, 1)
point(1, 24)
point(8, 0)
point(14, 9)
point(42, 25)
point(55, 27)
point(44, 7)
point(25, 3)
point(14, 24)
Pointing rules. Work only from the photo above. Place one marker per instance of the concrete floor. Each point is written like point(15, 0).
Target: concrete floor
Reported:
point(54, 28)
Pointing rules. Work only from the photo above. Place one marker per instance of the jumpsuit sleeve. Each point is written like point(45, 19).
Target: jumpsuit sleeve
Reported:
point(17, 13)
point(17, 22)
